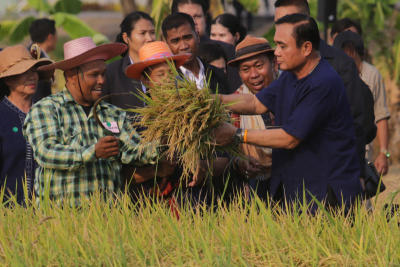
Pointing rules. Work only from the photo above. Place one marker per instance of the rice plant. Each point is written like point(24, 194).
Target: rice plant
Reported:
point(118, 232)
point(183, 118)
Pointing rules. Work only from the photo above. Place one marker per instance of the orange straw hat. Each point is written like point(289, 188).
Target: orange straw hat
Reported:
point(83, 50)
point(249, 47)
point(17, 60)
point(152, 54)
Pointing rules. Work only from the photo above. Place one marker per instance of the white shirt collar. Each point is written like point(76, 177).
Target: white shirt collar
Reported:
point(200, 80)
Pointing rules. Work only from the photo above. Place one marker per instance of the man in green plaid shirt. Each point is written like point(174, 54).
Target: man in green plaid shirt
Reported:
point(77, 156)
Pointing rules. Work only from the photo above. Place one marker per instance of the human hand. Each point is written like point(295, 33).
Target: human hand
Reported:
point(201, 173)
point(107, 147)
point(381, 164)
point(224, 134)
point(217, 96)
point(249, 167)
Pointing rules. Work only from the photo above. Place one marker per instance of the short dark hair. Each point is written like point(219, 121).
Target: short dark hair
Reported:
point(232, 23)
point(302, 4)
point(343, 24)
point(176, 20)
point(350, 40)
point(210, 51)
point(305, 30)
point(205, 5)
point(40, 29)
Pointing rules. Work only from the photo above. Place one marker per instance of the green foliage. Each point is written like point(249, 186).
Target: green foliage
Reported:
point(250, 5)
point(270, 36)
point(20, 30)
point(63, 12)
point(160, 10)
point(76, 28)
point(68, 6)
point(366, 11)
point(6, 27)
point(40, 5)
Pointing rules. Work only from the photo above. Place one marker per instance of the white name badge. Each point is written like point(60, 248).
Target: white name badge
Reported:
point(111, 126)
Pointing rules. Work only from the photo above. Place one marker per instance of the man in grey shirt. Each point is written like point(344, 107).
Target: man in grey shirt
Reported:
point(353, 45)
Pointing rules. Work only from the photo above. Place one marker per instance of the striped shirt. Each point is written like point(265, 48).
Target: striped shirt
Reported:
point(63, 139)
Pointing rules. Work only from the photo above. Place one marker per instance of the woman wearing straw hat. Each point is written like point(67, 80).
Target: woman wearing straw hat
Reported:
point(18, 82)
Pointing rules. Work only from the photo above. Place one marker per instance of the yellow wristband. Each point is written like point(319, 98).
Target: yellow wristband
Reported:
point(245, 136)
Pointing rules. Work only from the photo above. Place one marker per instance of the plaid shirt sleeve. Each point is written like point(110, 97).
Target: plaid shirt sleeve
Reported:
point(133, 152)
point(43, 132)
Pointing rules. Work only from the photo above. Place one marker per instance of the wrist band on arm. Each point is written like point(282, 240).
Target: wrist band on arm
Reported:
point(245, 136)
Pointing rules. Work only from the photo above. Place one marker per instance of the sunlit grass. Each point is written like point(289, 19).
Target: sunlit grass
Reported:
point(121, 233)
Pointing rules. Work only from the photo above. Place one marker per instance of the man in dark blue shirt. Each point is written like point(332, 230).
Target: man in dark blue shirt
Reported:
point(358, 94)
point(314, 148)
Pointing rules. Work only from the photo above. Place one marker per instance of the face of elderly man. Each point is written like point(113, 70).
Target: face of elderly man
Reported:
point(256, 72)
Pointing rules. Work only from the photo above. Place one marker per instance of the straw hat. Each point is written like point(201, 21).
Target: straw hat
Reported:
point(249, 47)
point(152, 54)
point(82, 50)
point(17, 60)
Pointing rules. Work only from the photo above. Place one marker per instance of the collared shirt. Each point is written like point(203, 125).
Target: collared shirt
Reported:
point(200, 80)
point(63, 139)
point(371, 76)
point(315, 110)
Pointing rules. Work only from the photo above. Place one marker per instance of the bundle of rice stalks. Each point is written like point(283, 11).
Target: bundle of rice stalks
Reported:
point(183, 117)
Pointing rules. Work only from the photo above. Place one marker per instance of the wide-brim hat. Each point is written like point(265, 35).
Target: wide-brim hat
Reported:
point(16, 60)
point(151, 54)
point(250, 47)
point(83, 50)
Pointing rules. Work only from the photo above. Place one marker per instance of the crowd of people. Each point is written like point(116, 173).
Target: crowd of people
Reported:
point(304, 114)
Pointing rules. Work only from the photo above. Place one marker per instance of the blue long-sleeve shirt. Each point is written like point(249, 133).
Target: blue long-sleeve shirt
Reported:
point(16, 159)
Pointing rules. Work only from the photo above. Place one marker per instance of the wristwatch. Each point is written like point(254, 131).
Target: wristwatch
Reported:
point(385, 152)
point(238, 137)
